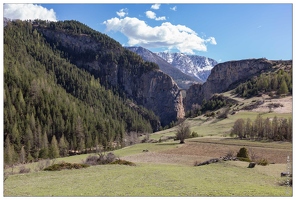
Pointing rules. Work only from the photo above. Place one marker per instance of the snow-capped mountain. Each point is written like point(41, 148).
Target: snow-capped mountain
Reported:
point(183, 80)
point(193, 65)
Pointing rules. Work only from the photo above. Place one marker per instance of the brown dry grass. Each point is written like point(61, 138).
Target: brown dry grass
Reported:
point(199, 151)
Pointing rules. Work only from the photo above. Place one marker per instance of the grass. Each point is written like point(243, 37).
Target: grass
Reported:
point(216, 127)
point(147, 180)
point(231, 178)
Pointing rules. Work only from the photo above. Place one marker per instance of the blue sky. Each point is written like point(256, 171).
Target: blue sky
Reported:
point(223, 32)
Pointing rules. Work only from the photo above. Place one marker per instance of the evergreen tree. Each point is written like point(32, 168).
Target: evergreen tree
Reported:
point(44, 148)
point(283, 87)
point(54, 151)
point(63, 146)
point(9, 153)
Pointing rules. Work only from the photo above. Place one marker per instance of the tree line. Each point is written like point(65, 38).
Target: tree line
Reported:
point(274, 129)
point(273, 83)
point(51, 106)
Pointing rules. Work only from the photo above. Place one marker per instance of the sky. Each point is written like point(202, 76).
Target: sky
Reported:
point(221, 31)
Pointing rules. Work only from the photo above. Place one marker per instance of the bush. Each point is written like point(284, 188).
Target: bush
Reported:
point(263, 162)
point(64, 165)
point(123, 162)
point(194, 134)
point(243, 153)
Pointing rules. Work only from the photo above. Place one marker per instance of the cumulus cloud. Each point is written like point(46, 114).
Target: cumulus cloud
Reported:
point(155, 6)
point(174, 8)
point(152, 15)
point(166, 35)
point(122, 12)
point(28, 11)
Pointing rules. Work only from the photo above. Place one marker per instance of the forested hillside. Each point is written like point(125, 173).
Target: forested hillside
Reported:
point(51, 106)
point(119, 69)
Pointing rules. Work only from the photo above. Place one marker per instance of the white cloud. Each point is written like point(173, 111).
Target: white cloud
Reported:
point(123, 12)
point(28, 11)
point(166, 35)
point(152, 15)
point(174, 8)
point(211, 40)
point(155, 6)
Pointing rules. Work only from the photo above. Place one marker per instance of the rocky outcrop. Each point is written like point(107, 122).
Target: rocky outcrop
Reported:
point(223, 77)
point(152, 89)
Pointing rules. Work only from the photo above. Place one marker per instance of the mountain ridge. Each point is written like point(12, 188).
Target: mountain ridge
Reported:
point(183, 80)
point(194, 65)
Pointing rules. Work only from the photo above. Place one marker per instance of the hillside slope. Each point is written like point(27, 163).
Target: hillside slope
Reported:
point(117, 68)
point(48, 100)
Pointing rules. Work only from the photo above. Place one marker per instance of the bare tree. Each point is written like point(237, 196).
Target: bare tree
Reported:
point(183, 131)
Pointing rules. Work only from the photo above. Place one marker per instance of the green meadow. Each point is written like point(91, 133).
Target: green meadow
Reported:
point(226, 178)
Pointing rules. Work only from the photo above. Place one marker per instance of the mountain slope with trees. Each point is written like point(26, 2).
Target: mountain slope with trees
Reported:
point(119, 69)
point(52, 106)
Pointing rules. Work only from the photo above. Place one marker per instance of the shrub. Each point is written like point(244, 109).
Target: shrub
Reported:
point(263, 162)
point(64, 165)
point(123, 162)
point(194, 134)
point(243, 152)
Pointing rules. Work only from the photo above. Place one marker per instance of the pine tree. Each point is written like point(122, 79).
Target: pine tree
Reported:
point(9, 153)
point(283, 87)
point(54, 148)
point(44, 148)
point(80, 134)
point(63, 146)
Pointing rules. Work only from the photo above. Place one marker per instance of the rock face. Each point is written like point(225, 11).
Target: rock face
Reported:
point(183, 80)
point(223, 77)
point(152, 89)
point(196, 66)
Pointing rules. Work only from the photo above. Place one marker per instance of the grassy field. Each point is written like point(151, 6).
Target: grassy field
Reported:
point(222, 179)
point(167, 169)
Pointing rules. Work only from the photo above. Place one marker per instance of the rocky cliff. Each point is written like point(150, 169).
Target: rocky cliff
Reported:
point(223, 77)
point(146, 86)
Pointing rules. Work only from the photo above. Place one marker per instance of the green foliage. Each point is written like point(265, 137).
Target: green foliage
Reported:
point(45, 94)
point(64, 165)
point(243, 153)
point(279, 81)
point(123, 162)
point(194, 134)
point(216, 102)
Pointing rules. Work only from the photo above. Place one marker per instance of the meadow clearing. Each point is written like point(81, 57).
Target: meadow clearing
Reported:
point(167, 168)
